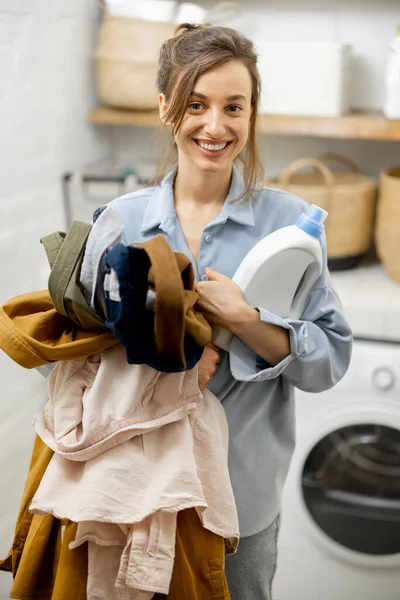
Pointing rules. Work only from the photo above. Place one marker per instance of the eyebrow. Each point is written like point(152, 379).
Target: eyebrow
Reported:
point(229, 98)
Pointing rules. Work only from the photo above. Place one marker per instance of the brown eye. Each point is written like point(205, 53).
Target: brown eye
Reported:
point(195, 106)
point(234, 108)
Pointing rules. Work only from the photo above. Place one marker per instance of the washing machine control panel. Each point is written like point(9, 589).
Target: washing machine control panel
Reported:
point(374, 370)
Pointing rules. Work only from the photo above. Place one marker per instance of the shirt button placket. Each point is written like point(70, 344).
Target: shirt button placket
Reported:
point(208, 239)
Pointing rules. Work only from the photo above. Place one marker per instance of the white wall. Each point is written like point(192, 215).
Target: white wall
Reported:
point(359, 23)
point(46, 92)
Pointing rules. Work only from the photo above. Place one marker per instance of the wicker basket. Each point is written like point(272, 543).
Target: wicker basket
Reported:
point(126, 61)
point(348, 196)
point(388, 222)
point(126, 56)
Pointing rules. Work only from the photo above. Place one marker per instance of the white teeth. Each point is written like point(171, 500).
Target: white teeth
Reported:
point(212, 147)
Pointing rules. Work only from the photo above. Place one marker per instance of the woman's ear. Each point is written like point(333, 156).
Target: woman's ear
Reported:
point(162, 107)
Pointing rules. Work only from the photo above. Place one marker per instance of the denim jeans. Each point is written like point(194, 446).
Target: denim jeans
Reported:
point(251, 570)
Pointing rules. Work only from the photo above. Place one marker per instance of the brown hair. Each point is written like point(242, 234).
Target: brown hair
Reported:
point(194, 50)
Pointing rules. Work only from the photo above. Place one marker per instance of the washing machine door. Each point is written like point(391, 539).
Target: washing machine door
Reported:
point(351, 487)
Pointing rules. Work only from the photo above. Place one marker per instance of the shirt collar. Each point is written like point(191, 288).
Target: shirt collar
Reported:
point(160, 210)
point(161, 213)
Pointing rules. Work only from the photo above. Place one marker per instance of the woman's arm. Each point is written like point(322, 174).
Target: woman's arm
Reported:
point(270, 342)
point(312, 353)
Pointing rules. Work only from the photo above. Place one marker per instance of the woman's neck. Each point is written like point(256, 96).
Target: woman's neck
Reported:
point(202, 188)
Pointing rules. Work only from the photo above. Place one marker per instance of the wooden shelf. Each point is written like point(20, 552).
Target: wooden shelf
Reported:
point(102, 115)
point(356, 125)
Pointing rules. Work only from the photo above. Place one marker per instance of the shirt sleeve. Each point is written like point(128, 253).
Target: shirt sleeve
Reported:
point(320, 343)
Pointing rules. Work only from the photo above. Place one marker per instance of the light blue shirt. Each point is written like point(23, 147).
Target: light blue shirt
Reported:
point(260, 403)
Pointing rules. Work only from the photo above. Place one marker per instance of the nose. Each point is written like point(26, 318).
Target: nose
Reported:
point(214, 125)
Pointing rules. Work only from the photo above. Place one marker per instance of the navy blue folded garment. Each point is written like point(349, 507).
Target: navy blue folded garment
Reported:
point(129, 319)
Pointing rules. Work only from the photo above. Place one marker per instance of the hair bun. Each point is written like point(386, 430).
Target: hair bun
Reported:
point(185, 28)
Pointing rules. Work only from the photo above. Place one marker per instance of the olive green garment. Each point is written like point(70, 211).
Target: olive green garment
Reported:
point(65, 253)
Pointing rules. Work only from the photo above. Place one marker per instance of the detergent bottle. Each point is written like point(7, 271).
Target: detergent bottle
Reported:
point(280, 271)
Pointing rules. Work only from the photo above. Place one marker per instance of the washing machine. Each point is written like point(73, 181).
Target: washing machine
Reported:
point(340, 534)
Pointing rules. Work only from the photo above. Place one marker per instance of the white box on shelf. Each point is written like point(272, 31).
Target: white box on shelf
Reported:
point(310, 79)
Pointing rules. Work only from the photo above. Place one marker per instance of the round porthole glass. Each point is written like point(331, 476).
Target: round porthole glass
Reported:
point(351, 487)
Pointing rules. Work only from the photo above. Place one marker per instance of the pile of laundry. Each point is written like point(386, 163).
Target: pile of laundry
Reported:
point(128, 493)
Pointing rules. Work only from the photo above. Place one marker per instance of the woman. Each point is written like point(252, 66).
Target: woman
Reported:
point(209, 91)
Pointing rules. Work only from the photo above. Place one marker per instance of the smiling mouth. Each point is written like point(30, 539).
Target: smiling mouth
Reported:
point(212, 147)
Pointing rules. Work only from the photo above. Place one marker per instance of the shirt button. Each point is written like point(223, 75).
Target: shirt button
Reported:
point(204, 278)
point(208, 238)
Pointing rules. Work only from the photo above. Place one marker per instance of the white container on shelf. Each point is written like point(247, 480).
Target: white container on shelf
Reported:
point(310, 79)
point(150, 10)
point(391, 106)
point(190, 12)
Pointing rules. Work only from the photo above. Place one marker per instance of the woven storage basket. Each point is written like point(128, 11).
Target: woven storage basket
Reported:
point(388, 222)
point(348, 196)
point(126, 61)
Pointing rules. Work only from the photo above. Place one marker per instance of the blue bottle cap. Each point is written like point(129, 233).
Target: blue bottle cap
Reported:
point(312, 222)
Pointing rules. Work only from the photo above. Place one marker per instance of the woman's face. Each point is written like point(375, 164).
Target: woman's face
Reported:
point(216, 125)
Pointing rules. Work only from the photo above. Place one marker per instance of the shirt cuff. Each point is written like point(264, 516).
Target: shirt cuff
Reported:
point(247, 366)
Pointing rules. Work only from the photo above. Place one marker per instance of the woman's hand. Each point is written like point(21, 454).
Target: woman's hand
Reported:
point(221, 300)
point(207, 366)
point(223, 305)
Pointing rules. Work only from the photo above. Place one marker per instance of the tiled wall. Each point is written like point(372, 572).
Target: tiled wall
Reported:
point(46, 91)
